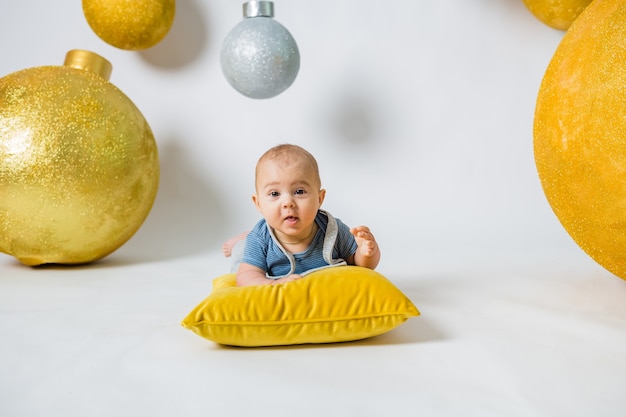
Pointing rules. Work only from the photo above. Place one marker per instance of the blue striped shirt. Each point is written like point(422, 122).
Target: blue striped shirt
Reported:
point(264, 253)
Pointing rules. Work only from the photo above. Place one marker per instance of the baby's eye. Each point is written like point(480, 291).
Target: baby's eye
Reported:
point(273, 194)
point(300, 192)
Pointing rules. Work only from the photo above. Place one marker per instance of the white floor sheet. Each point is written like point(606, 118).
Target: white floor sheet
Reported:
point(514, 337)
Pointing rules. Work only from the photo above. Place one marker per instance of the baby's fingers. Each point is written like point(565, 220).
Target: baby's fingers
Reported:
point(359, 229)
point(368, 248)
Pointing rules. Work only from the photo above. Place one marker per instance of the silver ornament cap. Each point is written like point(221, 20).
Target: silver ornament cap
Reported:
point(259, 57)
point(258, 9)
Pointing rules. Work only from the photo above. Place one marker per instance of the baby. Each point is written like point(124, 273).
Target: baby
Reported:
point(295, 236)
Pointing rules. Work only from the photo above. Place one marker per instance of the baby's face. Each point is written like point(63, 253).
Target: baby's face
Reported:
point(288, 196)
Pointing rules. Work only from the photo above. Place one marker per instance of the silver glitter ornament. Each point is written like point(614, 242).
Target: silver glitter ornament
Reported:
point(260, 58)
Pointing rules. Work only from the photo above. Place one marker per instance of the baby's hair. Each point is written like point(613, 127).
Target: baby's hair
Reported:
point(289, 152)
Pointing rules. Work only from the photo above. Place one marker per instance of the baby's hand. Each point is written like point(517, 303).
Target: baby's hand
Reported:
point(365, 241)
point(288, 278)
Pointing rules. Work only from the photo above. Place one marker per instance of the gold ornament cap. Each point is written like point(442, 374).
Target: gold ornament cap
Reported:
point(89, 61)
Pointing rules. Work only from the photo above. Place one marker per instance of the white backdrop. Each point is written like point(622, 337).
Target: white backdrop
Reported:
point(420, 114)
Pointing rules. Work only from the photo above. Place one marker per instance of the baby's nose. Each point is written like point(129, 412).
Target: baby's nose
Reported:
point(288, 201)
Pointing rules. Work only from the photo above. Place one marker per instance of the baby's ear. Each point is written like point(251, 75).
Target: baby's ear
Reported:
point(255, 200)
point(322, 195)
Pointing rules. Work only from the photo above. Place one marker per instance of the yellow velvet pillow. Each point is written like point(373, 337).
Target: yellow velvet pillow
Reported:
point(335, 304)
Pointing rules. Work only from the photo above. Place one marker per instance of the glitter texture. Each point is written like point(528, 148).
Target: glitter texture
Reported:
point(558, 14)
point(79, 167)
point(580, 133)
point(130, 24)
point(260, 58)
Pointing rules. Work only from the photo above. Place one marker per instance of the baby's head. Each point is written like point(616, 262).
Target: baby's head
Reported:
point(290, 155)
point(288, 192)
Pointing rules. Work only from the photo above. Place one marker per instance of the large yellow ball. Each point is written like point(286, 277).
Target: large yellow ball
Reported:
point(130, 24)
point(580, 133)
point(558, 14)
point(79, 168)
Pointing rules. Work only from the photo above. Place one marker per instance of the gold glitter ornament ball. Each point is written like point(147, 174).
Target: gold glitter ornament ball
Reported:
point(79, 169)
point(558, 14)
point(130, 24)
point(580, 133)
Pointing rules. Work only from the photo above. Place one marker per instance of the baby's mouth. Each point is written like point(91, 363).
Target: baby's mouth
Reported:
point(291, 219)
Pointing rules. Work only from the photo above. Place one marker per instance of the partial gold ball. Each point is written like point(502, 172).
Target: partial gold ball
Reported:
point(580, 133)
point(79, 168)
point(130, 24)
point(558, 14)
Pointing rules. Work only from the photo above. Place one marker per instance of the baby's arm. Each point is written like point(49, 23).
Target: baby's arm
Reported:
point(367, 253)
point(251, 275)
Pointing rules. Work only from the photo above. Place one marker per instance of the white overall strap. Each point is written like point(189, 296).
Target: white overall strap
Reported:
point(292, 260)
point(330, 237)
point(332, 230)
